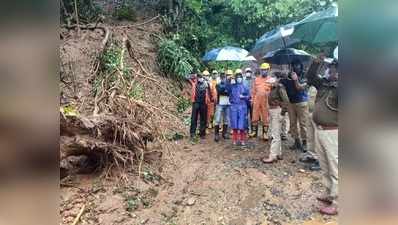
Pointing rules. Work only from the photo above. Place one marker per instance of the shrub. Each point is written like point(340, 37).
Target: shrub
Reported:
point(183, 104)
point(125, 11)
point(110, 59)
point(175, 61)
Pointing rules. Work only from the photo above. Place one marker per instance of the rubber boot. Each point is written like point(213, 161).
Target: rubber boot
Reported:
point(254, 132)
point(216, 133)
point(225, 132)
point(265, 133)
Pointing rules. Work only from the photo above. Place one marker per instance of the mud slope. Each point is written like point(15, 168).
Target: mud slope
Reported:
point(206, 183)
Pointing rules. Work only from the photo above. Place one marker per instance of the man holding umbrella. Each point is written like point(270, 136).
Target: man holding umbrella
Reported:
point(298, 108)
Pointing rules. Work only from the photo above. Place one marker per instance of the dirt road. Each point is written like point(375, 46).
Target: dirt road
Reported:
point(206, 183)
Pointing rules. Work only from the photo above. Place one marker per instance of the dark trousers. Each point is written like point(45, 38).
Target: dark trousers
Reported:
point(198, 110)
point(249, 116)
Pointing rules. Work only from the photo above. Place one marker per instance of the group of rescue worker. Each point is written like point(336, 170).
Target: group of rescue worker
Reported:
point(239, 102)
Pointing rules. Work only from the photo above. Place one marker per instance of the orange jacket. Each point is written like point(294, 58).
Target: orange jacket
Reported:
point(213, 90)
point(261, 87)
point(208, 98)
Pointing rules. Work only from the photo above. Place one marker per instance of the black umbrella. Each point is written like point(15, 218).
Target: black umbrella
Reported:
point(286, 56)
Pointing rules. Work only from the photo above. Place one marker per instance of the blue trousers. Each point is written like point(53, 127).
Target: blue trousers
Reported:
point(222, 115)
point(238, 116)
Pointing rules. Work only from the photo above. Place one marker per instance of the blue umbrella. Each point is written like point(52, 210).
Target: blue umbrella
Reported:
point(286, 56)
point(226, 54)
point(274, 39)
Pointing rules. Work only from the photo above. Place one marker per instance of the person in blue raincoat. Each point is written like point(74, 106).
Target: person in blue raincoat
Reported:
point(238, 95)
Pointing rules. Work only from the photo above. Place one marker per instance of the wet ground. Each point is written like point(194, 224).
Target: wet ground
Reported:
point(205, 183)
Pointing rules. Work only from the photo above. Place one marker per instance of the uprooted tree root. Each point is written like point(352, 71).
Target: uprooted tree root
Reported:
point(116, 132)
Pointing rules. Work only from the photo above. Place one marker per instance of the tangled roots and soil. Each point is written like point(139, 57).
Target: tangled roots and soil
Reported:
point(112, 122)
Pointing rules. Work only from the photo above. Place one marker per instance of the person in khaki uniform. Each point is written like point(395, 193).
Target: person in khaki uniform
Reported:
point(298, 108)
point(325, 131)
point(275, 100)
point(284, 120)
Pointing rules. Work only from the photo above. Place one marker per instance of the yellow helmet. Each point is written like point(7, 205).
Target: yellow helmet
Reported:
point(238, 71)
point(214, 72)
point(206, 73)
point(265, 66)
point(229, 73)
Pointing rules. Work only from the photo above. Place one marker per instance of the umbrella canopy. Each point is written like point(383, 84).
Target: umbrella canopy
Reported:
point(226, 54)
point(274, 39)
point(336, 53)
point(286, 56)
point(249, 58)
point(318, 27)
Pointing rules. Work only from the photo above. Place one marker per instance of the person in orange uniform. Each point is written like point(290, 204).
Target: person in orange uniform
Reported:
point(211, 106)
point(260, 91)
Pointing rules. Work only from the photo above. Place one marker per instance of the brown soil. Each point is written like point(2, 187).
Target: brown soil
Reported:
point(206, 183)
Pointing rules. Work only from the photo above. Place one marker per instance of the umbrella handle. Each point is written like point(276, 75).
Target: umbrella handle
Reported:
point(284, 44)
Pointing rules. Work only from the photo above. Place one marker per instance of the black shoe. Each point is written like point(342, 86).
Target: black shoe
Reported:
point(216, 133)
point(315, 166)
point(308, 160)
point(296, 145)
point(225, 134)
point(304, 146)
point(217, 138)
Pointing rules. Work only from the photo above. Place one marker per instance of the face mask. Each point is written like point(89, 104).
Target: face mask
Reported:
point(218, 80)
point(248, 75)
point(239, 80)
point(264, 73)
point(200, 80)
point(233, 81)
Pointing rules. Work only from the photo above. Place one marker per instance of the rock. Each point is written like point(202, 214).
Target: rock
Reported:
point(301, 170)
point(177, 202)
point(191, 201)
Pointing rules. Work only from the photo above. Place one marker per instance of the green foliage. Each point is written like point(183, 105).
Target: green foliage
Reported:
point(110, 68)
point(136, 92)
point(132, 203)
point(175, 61)
point(125, 11)
point(110, 59)
point(203, 25)
point(88, 10)
point(222, 66)
point(183, 104)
